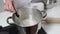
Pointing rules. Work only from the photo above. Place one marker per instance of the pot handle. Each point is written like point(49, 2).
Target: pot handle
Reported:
point(44, 14)
point(8, 20)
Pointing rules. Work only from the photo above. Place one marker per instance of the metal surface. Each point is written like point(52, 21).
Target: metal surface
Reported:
point(27, 17)
point(28, 30)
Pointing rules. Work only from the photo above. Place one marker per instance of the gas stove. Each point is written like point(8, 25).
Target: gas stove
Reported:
point(12, 29)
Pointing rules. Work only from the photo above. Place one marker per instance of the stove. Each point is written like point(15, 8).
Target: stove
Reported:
point(12, 29)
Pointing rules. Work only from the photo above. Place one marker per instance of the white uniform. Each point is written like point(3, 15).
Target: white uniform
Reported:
point(21, 3)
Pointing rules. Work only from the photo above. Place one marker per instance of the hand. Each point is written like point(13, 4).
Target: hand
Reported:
point(9, 6)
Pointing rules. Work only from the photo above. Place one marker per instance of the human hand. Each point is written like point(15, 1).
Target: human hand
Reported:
point(9, 6)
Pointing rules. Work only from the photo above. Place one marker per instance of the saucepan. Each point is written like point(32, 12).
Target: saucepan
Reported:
point(26, 17)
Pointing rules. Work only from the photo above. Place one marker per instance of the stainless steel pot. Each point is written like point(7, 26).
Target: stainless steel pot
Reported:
point(26, 17)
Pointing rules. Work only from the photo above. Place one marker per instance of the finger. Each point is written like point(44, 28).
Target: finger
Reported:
point(10, 5)
point(6, 7)
point(12, 8)
point(13, 5)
